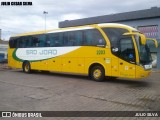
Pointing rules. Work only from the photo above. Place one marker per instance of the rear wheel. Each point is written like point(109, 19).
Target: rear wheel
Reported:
point(97, 73)
point(26, 67)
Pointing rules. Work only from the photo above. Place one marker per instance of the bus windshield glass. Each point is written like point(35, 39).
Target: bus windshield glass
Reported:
point(121, 46)
point(144, 52)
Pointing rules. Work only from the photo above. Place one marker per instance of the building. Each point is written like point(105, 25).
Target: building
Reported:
point(3, 50)
point(146, 21)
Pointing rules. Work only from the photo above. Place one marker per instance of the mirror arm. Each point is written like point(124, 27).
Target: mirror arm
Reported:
point(143, 37)
point(154, 40)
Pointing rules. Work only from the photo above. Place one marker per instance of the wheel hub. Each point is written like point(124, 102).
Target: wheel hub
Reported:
point(97, 73)
point(26, 68)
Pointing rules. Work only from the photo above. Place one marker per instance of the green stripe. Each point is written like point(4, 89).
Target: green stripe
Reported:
point(15, 57)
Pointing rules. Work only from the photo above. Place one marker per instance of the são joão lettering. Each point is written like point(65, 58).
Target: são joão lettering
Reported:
point(41, 52)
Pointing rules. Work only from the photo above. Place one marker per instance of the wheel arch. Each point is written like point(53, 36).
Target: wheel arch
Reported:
point(95, 64)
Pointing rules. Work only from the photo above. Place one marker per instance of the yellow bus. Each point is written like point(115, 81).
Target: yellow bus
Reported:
point(98, 50)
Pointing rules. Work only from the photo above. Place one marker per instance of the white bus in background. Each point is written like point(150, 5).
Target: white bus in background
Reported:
point(3, 52)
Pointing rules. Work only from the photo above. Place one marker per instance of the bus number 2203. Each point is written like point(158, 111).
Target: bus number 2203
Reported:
point(100, 52)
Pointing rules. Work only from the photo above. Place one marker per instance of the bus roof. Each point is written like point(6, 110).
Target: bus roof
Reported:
point(117, 25)
point(78, 28)
point(55, 30)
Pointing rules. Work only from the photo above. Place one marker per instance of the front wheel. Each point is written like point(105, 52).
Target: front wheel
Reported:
point(26, 67)
point(97, 73)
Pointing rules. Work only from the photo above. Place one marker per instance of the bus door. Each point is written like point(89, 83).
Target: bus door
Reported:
point(127, 58)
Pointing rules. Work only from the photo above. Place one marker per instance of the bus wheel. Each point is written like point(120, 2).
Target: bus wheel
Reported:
point(97, 73)
point(26, 67)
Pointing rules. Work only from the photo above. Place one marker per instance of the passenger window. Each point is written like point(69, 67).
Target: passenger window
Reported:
point(34, 41)
point(79, 38)
point(21, 42)
point(65, 39)
point(28, 41)
point(53, 40)
point(41, 41)
point(24, 42)
point(72, 38)
point(75, 38)
point(38, 41)
point(94, 38)
point(13, 42)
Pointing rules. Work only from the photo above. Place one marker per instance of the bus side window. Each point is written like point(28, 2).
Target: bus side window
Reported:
point(94, 38)
point(11, 42)
point(34, 41)
point(65, 39)
point(71, 38)
point(19, 43)
point(61, 42)
point(24, 42)
point(53, 39)
point(56, 39)
point(78, 38)
point(49, 39)
point(42, 41)
point(75, 38)
point(28, 41)
point(88, 37)
point(98, 39)
point(15, 43)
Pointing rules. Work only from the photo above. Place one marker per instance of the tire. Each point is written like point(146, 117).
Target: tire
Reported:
point(97, 73)
point(26, 67)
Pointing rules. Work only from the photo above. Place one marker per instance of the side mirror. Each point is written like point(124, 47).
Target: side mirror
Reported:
point(154, 40)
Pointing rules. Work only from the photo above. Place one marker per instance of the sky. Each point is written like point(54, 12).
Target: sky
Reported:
point(20, 19)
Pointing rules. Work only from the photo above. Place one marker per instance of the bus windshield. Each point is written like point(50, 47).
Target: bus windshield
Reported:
point(144, 52)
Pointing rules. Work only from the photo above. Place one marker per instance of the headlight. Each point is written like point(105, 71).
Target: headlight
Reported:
point(147, 67)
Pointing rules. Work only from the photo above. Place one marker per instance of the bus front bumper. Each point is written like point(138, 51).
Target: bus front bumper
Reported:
point(142, 73)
